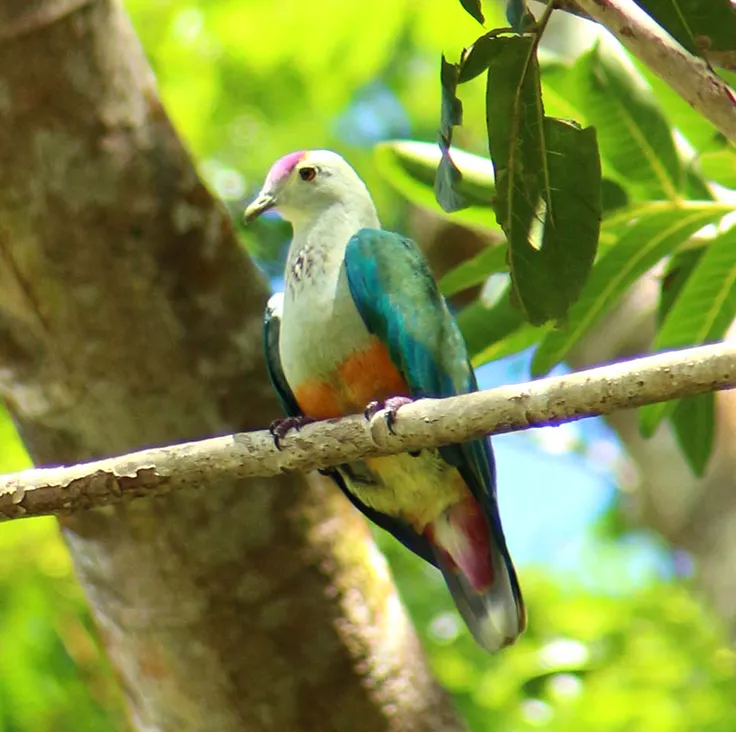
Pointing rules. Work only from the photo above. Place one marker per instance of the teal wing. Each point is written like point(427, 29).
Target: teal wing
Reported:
point(400, 303)
point(398, 299)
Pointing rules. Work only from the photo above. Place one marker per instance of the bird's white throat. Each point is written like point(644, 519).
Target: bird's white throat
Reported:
point(321, 324)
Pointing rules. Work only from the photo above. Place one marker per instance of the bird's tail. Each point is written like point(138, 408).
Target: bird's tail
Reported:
point(470, 549)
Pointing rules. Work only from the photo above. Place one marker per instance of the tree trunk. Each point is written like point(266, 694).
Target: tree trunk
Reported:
point(129, 317)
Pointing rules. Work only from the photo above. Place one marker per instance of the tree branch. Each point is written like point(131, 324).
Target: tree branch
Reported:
point(426, 423)
point(689, 76)
point(724, 59)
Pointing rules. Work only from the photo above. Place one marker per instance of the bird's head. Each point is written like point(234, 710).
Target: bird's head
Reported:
point(302, 185)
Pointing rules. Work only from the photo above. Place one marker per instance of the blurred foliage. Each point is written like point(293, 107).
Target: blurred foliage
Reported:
point(246, 82)
point(601, 654)
point(54, 676)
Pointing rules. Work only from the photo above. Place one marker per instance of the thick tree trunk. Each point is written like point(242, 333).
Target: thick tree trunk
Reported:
point(129, 317)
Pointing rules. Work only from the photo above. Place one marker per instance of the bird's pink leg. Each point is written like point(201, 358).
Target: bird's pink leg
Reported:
point(279, 428)
point(391, 407)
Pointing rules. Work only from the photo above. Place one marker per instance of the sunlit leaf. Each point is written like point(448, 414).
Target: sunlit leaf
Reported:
point(634, 137)
point(642, 245)
point(702, 312)
point(410, 167)
point(523, 337)
point(474, 271)
point(483, 325)
point(699, 132)
point(678, 270)
point(720, 167)
point(13, 456)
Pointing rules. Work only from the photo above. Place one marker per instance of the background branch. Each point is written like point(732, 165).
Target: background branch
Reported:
point(724, 59)
point(425, 423)
point(689, 76)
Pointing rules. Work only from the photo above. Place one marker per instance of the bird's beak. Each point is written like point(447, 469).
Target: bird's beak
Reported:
point(260, 205)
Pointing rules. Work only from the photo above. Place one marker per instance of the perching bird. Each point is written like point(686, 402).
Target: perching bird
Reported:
point(364, 325)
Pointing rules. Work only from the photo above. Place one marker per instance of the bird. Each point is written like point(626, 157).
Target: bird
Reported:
point(361, 326)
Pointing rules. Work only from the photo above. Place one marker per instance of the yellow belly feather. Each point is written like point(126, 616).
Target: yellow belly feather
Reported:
point(416, 489)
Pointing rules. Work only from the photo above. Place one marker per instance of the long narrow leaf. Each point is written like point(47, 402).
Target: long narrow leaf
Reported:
point(548, 184)
point(694, 420)
point(410, 167)
point(702, 312)
point(475, 271)
point(635, 138)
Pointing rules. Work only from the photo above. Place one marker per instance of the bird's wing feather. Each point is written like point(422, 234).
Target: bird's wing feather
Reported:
point(398, 299)
point(271, 332)
point(400, 303)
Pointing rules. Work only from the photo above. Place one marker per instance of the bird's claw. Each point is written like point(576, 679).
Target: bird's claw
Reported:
point(279, 428)
point(390, 406)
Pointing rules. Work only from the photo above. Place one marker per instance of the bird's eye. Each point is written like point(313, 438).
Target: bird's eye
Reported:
point(307, 173)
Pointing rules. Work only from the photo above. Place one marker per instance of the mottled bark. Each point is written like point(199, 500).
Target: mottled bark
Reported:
point(129, 318)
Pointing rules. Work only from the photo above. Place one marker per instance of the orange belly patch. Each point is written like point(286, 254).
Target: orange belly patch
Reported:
point(364, 376)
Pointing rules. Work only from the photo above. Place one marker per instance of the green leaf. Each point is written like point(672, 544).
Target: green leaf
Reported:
point(678, 270)
point(525, 336)
point(694, 420)
point(696, 189)
point(448, 176)
point(410, 167)
point(702, 311)
point(648, 238)
point(720, 166)
point(548, 185)
point(613, 196)
point(474, 8)
point(13, 455)
point(698, 25)
point(475, 271)
point(635, 138)
point(698, 131)
point(483, 324)
point(706, 306)
point(558, 94)
point(519, 16)
point(475, 60)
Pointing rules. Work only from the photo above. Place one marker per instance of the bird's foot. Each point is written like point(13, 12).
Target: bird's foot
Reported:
point(391, 406)
point(279, 428)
